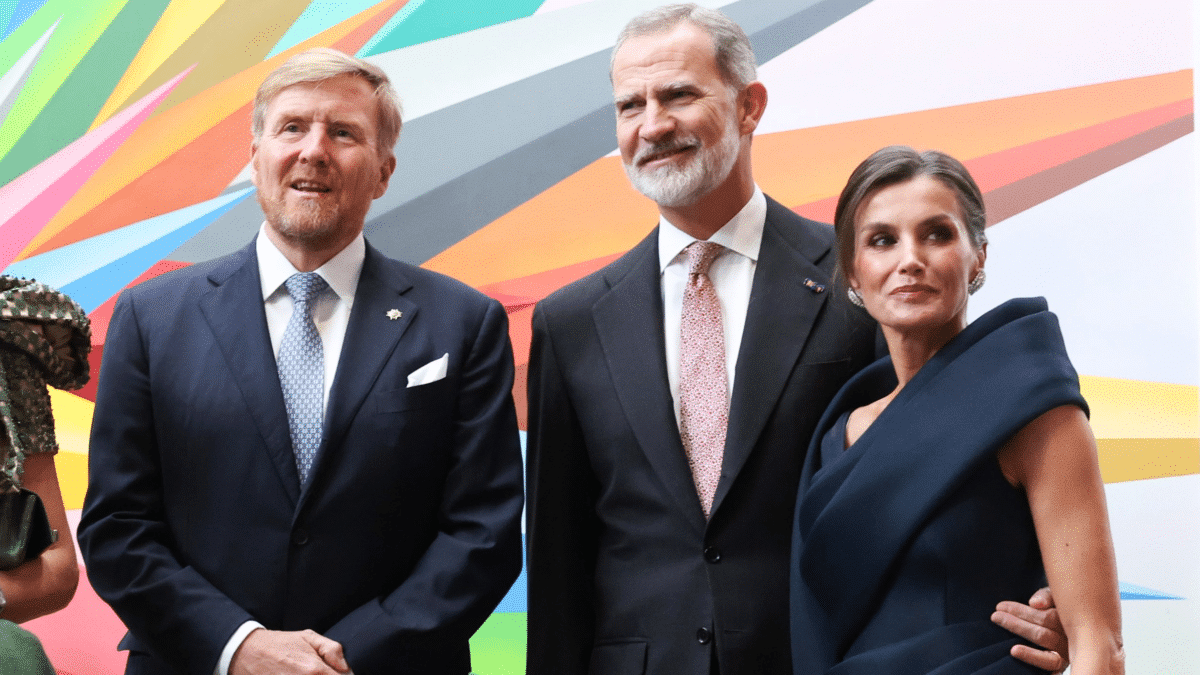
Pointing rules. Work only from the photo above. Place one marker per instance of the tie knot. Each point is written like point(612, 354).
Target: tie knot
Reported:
point(304, 286)
point(700, 255)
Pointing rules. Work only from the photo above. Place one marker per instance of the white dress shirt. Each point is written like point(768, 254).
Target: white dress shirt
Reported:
point(331, 314)
point(732, 274)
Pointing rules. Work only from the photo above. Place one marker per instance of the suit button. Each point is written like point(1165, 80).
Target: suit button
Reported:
point(712, 554)
point(703, 636)
point(300, 537)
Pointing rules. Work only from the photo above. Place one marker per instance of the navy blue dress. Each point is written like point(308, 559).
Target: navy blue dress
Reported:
point(906, 540)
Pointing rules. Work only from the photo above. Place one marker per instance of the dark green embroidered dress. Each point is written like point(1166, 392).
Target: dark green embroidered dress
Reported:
point(45, 338)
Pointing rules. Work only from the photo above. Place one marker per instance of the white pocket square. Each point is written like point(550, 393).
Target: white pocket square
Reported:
point(430, 372)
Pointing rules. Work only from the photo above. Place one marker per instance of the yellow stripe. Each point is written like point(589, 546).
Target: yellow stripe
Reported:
point(178, 22)
point(1123, 459)
point(72, 477)
point(1135, 409)
point(72, 424)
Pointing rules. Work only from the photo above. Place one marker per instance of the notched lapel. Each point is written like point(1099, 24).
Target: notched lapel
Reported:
point(380, 317)
point(780, 317)
point(234, 311)
point(629, 324)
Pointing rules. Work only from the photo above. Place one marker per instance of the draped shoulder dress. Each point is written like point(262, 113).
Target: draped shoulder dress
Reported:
point(905, 541)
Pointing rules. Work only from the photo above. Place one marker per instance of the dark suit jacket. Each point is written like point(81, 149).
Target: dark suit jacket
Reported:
point(407, 533)
point(625, 574)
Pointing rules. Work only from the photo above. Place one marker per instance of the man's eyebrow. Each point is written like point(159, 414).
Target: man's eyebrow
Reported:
point(625, 98)
point(675, 86)
point(345, 124)
point(663, 90)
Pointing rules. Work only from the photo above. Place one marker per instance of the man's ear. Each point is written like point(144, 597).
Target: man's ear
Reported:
point(385, 174)
point(254, 164)
point(752, 102)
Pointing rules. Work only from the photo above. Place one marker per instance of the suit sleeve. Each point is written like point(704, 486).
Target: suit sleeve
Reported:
point(168, 607)
point(563, 531)
point(476, 554)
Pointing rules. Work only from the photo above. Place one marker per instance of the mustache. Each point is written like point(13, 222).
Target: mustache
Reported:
point(664, 148)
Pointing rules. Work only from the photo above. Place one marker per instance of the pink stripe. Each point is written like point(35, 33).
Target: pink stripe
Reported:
point(32, 199)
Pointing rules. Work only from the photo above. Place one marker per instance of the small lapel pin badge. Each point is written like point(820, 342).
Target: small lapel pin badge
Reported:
point(814, 286)
point(394, 314)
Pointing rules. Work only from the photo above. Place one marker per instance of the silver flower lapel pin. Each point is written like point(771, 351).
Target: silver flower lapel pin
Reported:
point(394, 314)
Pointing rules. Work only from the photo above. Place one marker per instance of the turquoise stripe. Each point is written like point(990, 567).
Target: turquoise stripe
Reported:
point(21, 10)
point(7, 7)
point(1135, 592)
point(425, 20)
point(93, 270)
point(320, 15)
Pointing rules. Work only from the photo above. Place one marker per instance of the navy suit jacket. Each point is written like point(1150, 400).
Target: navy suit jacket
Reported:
point(625, 574)
point(407, 533)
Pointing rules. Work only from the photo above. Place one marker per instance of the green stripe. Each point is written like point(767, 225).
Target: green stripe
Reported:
point(71, 110)
point(429, 20)
point(81, 25)
point(498, 647)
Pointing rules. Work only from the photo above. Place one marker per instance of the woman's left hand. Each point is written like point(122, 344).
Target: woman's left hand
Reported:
point(1037, 622)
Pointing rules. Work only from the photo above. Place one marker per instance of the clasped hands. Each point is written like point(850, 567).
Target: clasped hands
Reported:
point(305, 652)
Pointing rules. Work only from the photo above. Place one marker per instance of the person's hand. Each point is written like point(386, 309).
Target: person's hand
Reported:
point(271, 652)
point(1037, 622)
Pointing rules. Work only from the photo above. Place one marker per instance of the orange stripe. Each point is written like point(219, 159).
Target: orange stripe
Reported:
point(806, 165)
point(537, 286)
point(1006, 167)
point(594, 213)
point(173, 184)
point(590, 214)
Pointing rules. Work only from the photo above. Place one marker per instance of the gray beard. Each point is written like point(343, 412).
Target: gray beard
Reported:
point(674, 187)
point(310, 225)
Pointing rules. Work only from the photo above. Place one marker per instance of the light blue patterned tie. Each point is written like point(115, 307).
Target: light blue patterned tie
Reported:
point(301, 364)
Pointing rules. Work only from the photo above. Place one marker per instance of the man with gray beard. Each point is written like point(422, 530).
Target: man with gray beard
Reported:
point(672, 393)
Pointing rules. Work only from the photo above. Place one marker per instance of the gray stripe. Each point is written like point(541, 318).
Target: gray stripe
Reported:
point(33, 57)
point(416, 228)
point(772, 35)
point(429, 224)
point(228, 233)
point(470, 163)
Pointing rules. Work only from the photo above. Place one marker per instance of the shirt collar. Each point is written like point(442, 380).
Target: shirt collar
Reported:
point(340, 272)
point(742, 234)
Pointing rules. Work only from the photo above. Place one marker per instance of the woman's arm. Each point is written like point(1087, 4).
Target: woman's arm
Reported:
point(1054, 459)
point(39, 587)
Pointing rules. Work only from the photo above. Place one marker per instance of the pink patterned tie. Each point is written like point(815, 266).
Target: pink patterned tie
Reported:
point(703, 386)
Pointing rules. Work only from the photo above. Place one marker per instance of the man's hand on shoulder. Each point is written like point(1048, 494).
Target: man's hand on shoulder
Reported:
point(268, 652)
point(1037, 622)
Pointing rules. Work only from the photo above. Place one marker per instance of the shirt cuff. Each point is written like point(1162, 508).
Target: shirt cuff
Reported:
point(235, 641)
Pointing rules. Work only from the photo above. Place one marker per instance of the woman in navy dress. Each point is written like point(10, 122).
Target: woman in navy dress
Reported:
point(955, 473)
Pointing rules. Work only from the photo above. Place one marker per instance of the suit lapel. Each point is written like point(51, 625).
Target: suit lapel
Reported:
point(234, 312)
point(629, 325)
point(779, 319)
point(371, 337)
